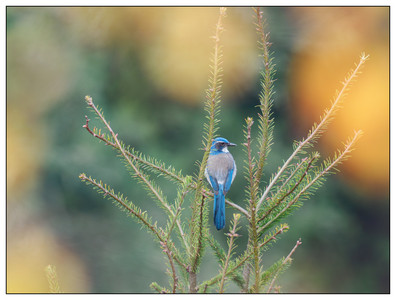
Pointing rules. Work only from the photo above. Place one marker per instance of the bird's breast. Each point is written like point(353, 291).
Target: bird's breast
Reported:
point(219, 165)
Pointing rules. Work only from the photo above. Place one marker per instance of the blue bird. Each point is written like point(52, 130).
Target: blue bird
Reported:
point(220, 172)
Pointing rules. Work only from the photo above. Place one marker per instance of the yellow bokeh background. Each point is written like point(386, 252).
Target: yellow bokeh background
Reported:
point(49, 52)
point(30, 251)
point(330, 44)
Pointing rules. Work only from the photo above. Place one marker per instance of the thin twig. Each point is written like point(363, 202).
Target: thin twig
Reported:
point(135, 212)
point(232, 235)
point(252, 193)
point(237, 207)
point(252, 186)
point(273, 237)
point(338, 160)
point(291, 190)
point(108, 192)
point(200, 239)
point(301, 163)
point(286, 260)
point(175, 218)
point(127, 158)
point(169, 254)
point(134, 157)
point(158, 288)
point(253, 237)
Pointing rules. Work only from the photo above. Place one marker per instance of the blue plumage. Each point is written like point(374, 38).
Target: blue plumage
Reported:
point(220, 173)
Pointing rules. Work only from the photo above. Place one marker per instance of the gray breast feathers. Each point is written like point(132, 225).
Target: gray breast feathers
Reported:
point(219, 165)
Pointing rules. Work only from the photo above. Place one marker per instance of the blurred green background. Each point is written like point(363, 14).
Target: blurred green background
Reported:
point(148, 68)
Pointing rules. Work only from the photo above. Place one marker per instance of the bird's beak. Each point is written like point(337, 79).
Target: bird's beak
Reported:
point(231, 144)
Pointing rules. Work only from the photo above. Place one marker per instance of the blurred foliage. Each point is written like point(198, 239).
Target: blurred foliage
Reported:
point(148, 68)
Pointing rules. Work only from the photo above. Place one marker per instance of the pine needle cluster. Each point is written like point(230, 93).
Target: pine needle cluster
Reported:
point(184, 240)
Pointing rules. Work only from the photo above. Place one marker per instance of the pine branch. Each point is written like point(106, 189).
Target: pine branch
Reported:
point(168, 253)
point(174, 218)
point(279, 200)
point(241, 260)
point(251, 191)
point(286, 181)
point(287, 260)
point(200, 235)
point(272, 236)
point(155, 191)
point(232, 234)
point(252, 194)
point(340, 156)
point(253, 235)
point(221, 257)
point(210, 195)
point(246, 278)
point(52, 277)
point(318, 129)
point(327, 167)
point(133, 210)
point(252, 188)
point(156, 287)
point(147, 162)
point(253, 239)
point(237, 207)
point(266, 122)
point(198, 226)
point(255, 167)
point(124, 204)
point(130, 164)
point(217, 249)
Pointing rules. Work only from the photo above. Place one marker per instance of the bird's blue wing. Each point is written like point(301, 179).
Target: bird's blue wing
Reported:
point(229, 179)
point(213, 183)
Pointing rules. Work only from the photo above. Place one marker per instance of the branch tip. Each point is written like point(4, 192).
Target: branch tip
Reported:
point(364, 56)
point(89, 101)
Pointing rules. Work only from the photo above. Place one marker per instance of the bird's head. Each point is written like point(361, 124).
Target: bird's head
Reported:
point(220, 145)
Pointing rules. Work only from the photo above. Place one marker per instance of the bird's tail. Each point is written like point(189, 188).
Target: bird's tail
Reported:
point(219, 209)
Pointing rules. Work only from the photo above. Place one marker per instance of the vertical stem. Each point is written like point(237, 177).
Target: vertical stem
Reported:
point(253, 236)
point(265, 120)
point(246, 276)
point(256, 251)
point(196, 257)
point(232, 235)
point(169, 254)
point(255, 172)
point(198, 224)
point(193, 282)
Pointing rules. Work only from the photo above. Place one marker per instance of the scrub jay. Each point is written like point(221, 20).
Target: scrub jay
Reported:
point(220, 172)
